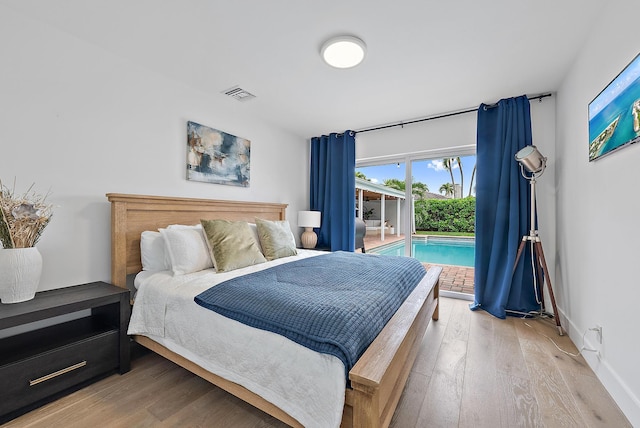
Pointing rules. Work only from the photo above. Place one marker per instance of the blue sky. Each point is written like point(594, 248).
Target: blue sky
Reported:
point(629, 75)
point(430, 172)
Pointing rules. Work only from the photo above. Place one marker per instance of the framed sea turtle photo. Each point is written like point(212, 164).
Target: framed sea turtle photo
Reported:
point(614, 114)
point(214, 156)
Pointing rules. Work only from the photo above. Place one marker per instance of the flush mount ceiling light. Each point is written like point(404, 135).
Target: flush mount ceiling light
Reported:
point(343, 51)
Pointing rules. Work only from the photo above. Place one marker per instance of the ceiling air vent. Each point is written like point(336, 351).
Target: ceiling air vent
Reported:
point(239, 94)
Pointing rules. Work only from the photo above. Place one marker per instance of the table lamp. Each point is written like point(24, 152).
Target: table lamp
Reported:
point(309, 220)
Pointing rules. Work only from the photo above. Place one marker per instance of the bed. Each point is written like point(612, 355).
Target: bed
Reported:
point(377, 378)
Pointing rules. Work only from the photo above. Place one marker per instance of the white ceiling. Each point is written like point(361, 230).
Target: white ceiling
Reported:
point(424, 57)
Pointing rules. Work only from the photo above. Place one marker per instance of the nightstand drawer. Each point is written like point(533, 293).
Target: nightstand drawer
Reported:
point(29, 380)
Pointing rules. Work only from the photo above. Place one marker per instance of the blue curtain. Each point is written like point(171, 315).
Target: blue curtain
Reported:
point(502, 210)
point(333, 189)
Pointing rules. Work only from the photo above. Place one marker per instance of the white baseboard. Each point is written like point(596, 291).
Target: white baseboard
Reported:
point(612, 381)
point(456, 295)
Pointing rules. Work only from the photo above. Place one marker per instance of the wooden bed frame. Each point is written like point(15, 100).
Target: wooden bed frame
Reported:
point(378, 377)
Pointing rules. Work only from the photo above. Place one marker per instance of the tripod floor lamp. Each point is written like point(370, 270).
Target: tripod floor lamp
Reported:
point(532, 166)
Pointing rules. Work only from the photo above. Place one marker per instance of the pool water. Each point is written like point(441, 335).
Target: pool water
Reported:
point(437, 250)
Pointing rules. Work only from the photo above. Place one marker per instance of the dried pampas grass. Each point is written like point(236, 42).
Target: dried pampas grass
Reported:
point(23, 218)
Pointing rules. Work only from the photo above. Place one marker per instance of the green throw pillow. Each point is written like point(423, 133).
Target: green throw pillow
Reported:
point(232, 244)
point(276, 239)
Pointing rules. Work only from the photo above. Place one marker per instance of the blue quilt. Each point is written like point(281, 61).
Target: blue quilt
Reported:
point(335, 303)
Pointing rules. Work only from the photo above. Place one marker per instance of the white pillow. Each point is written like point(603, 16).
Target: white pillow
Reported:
point(187, 249)
point(152, 252)
point(185, 226)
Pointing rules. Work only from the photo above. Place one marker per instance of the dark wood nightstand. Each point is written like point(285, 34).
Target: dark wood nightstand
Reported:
point(44, 363)
point(316, 248)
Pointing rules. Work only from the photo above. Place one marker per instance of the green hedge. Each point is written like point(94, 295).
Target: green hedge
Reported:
point(446, 215)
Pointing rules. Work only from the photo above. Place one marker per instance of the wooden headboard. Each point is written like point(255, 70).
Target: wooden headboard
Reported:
point(133, 214)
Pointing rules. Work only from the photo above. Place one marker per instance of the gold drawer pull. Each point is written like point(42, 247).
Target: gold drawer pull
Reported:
point(58, 373)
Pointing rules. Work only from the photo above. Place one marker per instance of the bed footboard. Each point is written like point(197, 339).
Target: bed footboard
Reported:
point(379, 376)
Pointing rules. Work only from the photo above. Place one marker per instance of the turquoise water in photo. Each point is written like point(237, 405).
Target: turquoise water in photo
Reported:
point(437, 250)
point(619, 106)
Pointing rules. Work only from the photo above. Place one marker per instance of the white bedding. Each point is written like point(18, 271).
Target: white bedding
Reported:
point(307, 385)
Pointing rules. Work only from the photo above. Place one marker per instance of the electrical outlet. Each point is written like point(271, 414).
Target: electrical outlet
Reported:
point(598, 330)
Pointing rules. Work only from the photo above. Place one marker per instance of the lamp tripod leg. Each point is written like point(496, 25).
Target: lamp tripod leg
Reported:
point(540, 268)
point(541, 262)
point(520, 250)
point(539, 272)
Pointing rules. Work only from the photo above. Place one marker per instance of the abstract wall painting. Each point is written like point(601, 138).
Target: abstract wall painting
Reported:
point(614, 115)
point(216, 157)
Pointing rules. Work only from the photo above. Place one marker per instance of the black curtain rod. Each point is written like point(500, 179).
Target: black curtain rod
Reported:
point(470, 110)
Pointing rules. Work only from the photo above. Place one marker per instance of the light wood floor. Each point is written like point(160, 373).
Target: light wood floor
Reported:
point(473, 371)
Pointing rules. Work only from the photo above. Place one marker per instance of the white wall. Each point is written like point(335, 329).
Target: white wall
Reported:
point(597, 214)
point(429, 136)
point(83, 122)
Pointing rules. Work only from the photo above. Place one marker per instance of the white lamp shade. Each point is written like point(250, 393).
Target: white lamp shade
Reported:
point(309, 218)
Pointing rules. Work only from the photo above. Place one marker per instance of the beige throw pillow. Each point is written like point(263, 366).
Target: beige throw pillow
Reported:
point(232, 244)
point(276, 239)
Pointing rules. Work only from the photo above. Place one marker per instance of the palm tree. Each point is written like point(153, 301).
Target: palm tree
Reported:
point(473, 174)
point(446, 189)
point(394, 183)
point(360, 174)
point(461, 176)
point(417, 188)
point(447, 163)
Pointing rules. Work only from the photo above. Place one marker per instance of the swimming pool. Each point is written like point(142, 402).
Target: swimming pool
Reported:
point(435, 249)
